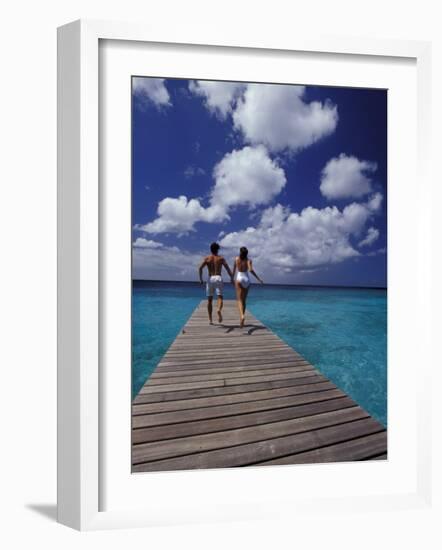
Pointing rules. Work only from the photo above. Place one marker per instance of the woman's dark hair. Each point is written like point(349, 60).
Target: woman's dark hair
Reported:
point(214, 247)
point(243, 253)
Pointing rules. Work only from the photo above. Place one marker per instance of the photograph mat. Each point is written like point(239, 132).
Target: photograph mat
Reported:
point(170, 492)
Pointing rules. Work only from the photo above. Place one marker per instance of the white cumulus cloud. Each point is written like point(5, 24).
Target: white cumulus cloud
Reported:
point(247, 176)
point(179, 215)
point(165, 263)
point(374, 203)
point(151, 90)
point(286, 241)
point(346, 176)
point(218, 97)
point(371, 237)
point(279, 117)
point(275, 115)
point(140, 242)
point(243, 177)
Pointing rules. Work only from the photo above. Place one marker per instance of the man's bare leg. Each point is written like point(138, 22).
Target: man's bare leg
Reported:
point(209, 309)
point(219, 309)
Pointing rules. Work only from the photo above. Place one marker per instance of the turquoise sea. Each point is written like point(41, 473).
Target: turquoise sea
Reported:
point(341, 331)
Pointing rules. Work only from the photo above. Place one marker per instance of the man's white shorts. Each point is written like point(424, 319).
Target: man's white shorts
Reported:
point(214, 284)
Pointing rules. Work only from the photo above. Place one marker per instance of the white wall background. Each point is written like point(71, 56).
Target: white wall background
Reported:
point(28, 269)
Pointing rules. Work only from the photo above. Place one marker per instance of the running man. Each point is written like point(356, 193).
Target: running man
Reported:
point(214, 264)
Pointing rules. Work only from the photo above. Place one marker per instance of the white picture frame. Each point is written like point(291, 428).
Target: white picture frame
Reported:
point(79, 270)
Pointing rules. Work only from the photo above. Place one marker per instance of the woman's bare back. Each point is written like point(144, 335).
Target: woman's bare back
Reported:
point(242, 265)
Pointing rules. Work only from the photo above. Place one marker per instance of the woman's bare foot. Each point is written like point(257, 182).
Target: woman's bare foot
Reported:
point(220, 316)
point(241, 322)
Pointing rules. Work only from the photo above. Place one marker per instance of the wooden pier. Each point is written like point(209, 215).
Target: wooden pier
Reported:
point(223, 396)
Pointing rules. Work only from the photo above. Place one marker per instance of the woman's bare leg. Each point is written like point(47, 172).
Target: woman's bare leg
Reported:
point(239, 289)
point(243, 309)
point(244, 300)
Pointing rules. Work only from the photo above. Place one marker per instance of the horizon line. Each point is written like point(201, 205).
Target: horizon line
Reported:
point(267, 284)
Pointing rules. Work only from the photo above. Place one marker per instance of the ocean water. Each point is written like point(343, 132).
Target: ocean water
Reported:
point(341, 331)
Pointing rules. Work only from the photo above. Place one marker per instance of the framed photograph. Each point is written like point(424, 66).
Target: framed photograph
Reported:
point(316, 228)
point(232, 273)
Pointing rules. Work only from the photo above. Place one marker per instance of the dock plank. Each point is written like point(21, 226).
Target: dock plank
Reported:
point(226, 396)
point(233, 409)
point(310, 378)
point(193, 376)
point(360, 448)
point(198, 402)
point(171, 431)
point(253, 453)
point(226, 367)
point(144, 452)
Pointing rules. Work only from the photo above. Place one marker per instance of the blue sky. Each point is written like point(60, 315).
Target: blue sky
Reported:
point(298, 174)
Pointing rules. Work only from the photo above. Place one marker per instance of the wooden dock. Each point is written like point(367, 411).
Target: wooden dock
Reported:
point(223, 396)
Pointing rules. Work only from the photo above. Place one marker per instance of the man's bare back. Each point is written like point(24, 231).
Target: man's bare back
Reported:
point(214, 264)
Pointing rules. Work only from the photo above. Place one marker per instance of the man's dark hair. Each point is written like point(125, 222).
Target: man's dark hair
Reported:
point(214, 247)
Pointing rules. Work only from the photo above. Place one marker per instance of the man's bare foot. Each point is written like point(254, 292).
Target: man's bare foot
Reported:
point(220, 316)
point(210, 322)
